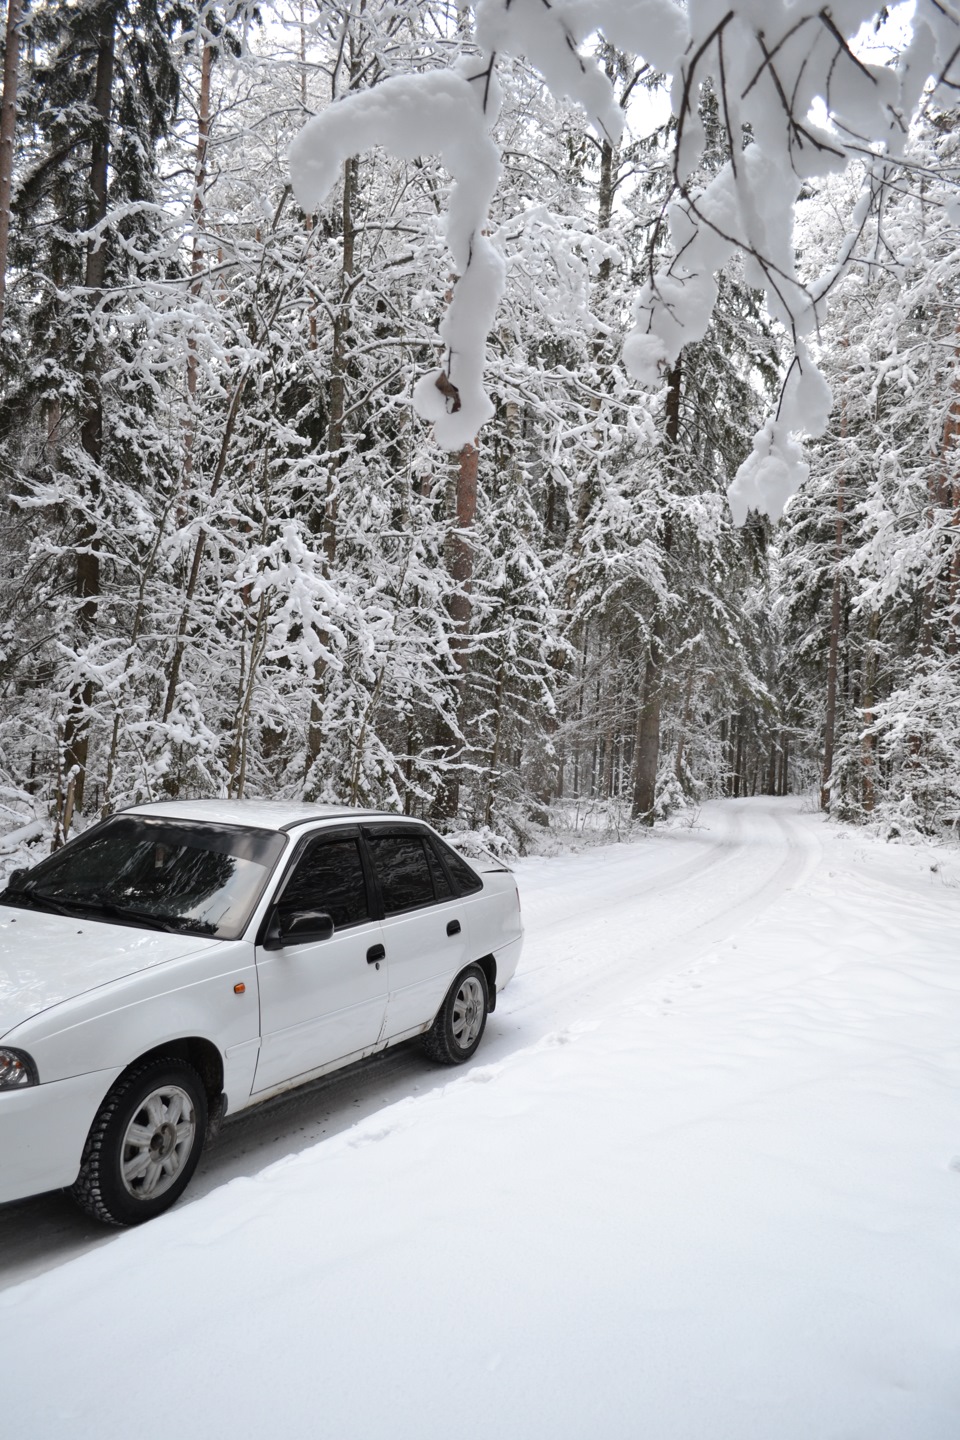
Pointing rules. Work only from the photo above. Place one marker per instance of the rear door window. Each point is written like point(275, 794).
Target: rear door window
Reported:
point(404, 871)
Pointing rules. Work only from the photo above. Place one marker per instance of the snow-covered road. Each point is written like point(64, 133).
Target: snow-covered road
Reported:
point(599, 922)
point(653, 905)
point(702, 1180)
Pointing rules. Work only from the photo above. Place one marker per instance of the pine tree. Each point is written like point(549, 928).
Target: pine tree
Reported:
point(100, 96)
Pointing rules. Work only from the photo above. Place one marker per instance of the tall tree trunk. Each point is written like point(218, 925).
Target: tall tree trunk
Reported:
point(770, 787)
point(8, 129)
point(783, 781)
point(950, 501)
point(76, 738)
point(197, 248)
point(446, 802)
point(462, 549)
point(869, 745)
point(684, 722)
point(493, 763)
point(647, 749)
point(739, 777)
point(953, 640)
point(609, 748)
point(339, 360)
point(833, 652)
point(204, 120)
point(146, 574)
point(327, 518)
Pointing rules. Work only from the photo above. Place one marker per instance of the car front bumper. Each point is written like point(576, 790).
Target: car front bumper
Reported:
point(42, 1132)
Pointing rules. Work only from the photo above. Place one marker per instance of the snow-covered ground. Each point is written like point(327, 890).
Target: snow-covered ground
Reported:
point(702, 1182)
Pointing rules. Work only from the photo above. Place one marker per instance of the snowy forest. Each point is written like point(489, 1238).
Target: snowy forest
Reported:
point(260, 537)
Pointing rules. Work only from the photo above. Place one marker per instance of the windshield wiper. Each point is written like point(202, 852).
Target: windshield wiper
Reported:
point(173, 924)
point(94, 905)
point(34, 900)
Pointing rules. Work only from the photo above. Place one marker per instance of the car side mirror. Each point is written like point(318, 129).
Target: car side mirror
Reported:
point(297, 927)
point(16, 877)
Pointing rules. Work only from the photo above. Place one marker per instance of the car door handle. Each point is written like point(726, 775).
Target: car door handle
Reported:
point(453, 927)
point(375, 953)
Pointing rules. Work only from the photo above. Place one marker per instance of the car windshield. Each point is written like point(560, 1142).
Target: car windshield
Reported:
point(189, 876)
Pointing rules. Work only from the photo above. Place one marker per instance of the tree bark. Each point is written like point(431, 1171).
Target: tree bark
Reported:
point(739, 778)
point(949, 488)
point(869, 745)
point(830, 718)
point(783, 778)
point(8, 129)
point(197, 248)
point(339, 363)
point(76, 738)
point(647, 749)
point(446, 802)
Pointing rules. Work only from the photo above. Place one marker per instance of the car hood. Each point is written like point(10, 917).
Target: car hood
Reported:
point(46, 959)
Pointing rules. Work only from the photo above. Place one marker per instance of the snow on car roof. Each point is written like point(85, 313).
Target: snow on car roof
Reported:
point(264, 814)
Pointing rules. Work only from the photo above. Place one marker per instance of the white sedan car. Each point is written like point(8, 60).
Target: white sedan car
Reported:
point(181, 961)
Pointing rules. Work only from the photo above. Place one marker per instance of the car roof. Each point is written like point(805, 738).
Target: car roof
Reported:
point(261, 814)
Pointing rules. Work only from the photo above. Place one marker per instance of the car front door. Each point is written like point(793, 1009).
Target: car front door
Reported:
point(424, 926)
point(322, 1001)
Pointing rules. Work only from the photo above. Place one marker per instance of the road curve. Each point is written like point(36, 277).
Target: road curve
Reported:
point(607, 922)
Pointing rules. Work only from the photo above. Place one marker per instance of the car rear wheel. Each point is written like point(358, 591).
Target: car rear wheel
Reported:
point(458, 1028)
point(144, 1144)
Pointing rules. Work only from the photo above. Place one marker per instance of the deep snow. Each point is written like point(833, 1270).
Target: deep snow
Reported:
point(702, 1180)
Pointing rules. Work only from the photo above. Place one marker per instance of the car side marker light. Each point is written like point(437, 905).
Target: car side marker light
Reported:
point(239, 989)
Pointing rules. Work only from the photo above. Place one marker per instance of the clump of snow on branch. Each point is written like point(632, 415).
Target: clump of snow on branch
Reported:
point(446, 113)
point(775, 469)
point(768, 63)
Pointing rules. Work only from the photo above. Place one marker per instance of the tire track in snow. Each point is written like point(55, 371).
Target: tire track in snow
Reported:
point(719, 894)
point(650, 909)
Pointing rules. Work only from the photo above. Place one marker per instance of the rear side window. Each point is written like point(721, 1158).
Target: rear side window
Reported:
point(466, 879)
point(404, 870)
point(441, 884)
point(330, 877)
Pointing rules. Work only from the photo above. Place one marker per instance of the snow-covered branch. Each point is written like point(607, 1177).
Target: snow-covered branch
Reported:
point(447, 113)
point(795, 101)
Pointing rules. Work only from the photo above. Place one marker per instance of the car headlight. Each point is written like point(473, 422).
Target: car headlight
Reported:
point(16, 1069)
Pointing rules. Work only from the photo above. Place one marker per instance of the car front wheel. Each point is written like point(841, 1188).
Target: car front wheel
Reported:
point(144, 1144)
point(458, 1028)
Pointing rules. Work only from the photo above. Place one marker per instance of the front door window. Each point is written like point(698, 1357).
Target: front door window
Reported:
point(330, 877)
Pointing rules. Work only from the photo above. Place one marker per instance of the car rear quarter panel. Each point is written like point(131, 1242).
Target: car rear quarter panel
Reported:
point(495, 924)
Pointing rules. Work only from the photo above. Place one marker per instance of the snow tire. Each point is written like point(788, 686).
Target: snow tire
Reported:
point(144, 1144)
point(460, 1023)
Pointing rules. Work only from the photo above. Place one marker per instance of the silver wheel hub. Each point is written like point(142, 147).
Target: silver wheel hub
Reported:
point(158, 1142)
point(164, 1141)
point(468, 1012)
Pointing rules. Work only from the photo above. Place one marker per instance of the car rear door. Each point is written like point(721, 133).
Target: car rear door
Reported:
point(321, 1002)
point(424, 925)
